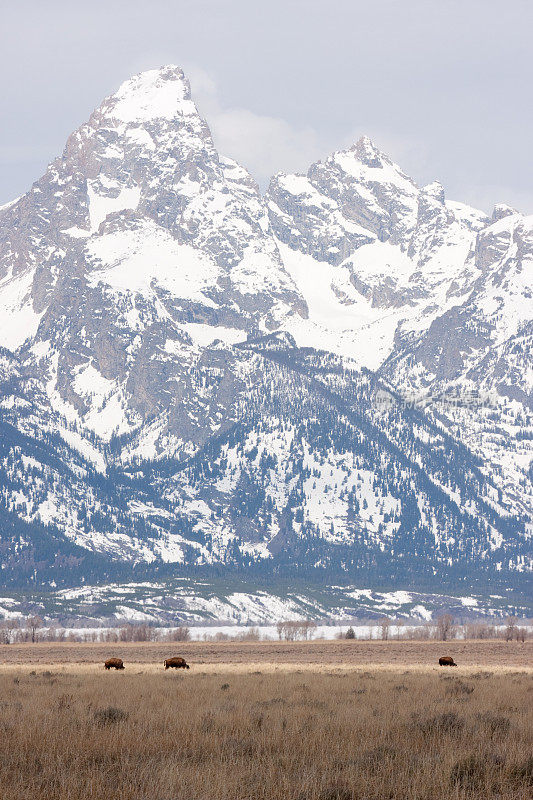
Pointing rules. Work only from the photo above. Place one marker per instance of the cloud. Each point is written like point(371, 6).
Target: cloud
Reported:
point(266, 144)
point(263, 144)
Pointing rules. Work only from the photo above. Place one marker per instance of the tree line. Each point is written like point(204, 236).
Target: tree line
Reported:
point(442, 628)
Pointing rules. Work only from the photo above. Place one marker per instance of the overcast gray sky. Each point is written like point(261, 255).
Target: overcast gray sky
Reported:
point(443, 86)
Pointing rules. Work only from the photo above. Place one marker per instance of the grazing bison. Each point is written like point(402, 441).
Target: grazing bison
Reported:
point(116, 663)
point(176, 663)
point(446, 661)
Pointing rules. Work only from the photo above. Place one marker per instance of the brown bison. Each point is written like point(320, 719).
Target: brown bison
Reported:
point(446, 661)
point(116, 663)
point(176, 663)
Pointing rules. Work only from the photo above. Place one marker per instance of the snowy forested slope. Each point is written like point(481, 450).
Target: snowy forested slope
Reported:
point(331, 379)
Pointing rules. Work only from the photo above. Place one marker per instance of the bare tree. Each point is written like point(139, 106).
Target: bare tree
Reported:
point(419, 632)
point(521, 634)
point(308, 629)
point(291, 630)
point(7, 626)
point(249, 635)
point(51, 634)
point(296, 629)
point(510, 629)
point(478, 630)
point(384, 625)
point(445, 628)
point(33, 623)
point(181, 634)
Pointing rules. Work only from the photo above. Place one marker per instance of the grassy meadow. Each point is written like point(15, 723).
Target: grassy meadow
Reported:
point(239, 731)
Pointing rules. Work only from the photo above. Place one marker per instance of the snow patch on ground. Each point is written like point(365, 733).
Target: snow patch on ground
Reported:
point(19, 321)
point(101, 205)
point(204, 335)
point(89, 382)
point(129, 260)
point(85, 448)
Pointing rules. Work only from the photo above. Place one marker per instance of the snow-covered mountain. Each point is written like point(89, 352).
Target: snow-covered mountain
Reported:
point(138, 247)
point(196, 375)
point(432, 293)
point(375, 256)
point(473, 365)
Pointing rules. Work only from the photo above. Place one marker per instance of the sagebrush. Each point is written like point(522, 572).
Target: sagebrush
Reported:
point(337, 735)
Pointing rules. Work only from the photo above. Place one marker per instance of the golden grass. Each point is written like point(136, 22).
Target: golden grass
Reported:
point(339, 733)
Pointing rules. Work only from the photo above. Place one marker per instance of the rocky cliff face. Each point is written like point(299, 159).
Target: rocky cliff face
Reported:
point(186, 374)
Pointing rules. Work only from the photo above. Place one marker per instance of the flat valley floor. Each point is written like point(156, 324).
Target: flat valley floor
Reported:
point(265, 721)
point(274, 655)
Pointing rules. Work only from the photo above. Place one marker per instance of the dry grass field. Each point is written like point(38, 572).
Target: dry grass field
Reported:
point(315, 721)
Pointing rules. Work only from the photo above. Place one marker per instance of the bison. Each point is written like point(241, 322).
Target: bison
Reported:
point(446, 661)
point(116, 663)
point(176, 663)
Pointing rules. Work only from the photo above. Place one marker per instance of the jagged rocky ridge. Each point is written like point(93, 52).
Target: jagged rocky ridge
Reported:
point(150, 416)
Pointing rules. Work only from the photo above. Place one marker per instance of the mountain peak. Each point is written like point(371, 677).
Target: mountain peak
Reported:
point(502, 210)
point(367, 152)
point(435, 190)
point(162, 93)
